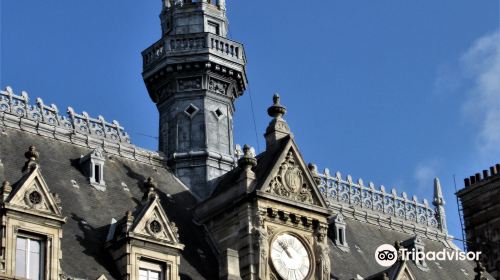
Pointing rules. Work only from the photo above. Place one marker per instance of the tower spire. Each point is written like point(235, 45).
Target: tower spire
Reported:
point(194, 74)
point(439, 203)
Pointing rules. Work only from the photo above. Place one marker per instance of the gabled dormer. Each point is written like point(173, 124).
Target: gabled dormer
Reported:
point(416, 245)
point(337, 228)
point(92, 166)
point(145, 243)
point(32, 226)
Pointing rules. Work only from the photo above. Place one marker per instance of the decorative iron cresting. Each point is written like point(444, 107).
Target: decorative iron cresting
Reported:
point(18, 105)
point(336, 191)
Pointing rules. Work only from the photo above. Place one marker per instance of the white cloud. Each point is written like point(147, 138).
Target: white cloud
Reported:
point(425, 174)
point(481, 64)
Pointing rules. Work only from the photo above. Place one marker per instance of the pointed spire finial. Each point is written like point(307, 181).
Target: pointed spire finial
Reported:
point(439, 203)
point(438, 194)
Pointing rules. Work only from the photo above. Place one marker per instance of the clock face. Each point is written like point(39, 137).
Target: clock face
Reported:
point(290, 257)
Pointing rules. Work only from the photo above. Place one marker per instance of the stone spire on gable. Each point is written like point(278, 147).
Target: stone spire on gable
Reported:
point(439, 203)
point(277, 128)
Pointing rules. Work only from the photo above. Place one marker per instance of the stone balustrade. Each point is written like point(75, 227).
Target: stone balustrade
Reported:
point(196, 42)
point(337, 190)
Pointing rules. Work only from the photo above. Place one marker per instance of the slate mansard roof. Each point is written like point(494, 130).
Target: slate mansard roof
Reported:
point(62, 141)
point(89, 211)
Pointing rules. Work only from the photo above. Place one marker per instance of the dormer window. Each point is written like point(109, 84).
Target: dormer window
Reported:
point(93, 167)
point(338, 229)
point(417, 245)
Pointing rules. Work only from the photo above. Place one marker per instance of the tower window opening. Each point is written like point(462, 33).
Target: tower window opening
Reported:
point(213, 28)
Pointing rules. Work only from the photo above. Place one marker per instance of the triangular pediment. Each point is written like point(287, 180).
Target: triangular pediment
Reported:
point(153, 223)
point(33, 193)
point(291, 179)
point(404, 273)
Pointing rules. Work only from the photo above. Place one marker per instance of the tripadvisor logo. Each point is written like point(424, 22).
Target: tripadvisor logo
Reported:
point(386, 255)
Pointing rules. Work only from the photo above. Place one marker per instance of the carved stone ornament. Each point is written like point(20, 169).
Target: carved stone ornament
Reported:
point(34, 199)
point(290, 182)
point(155, 226)
point(188, 84)
point(217, 86)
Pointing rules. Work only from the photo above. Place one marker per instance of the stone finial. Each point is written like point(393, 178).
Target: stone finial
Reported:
point(438, 194)
point(277, 128)
point(6, 190)
point(32, 157)
point(57, 198)
point(246, 163)
point(313, 168)
point(439, 203)
point(129, 220)
point(150, 185)
point(248, 160)
point(276, 110)
point(32, 154)
point(398, 245)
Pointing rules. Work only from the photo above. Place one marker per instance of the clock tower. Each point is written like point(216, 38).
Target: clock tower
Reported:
point(267, 218)
point(194, 74)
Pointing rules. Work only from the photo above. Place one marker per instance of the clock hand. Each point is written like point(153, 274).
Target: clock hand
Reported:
point(285, 248)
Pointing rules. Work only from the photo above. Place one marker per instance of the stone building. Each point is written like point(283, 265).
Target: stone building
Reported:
point(79, 201)
point(480, 200)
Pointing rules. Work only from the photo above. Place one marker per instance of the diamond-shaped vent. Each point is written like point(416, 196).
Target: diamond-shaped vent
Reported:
point(219, 113)
point(191, 110)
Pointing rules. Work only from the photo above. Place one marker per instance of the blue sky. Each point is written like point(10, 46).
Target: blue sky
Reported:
point(394, 92)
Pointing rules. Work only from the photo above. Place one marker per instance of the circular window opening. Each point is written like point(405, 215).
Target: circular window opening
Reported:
point(155, 227)
point(35, 197)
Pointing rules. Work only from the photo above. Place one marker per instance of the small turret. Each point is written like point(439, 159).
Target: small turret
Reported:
point(439, 203)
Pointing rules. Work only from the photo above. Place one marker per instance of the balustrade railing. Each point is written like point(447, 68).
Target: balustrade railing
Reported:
point(201, 42)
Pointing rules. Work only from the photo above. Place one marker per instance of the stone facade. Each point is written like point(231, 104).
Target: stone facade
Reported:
point(480, 199)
